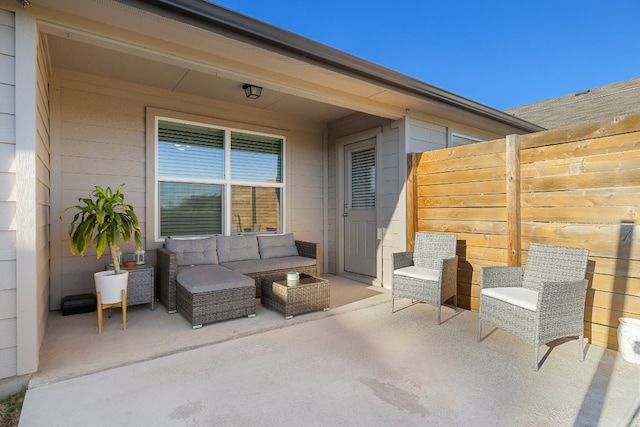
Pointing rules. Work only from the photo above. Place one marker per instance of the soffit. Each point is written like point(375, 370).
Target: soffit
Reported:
point(202, 63)
point(144, 47)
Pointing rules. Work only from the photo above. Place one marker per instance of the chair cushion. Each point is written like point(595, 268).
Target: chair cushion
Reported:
point(193, 251)
point(521, 297)
point(277, 246)
point(418, 273)
point(237, 248)
point(207, 278)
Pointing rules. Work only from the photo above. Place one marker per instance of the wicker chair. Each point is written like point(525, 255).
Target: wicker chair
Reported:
point(429, 273)
point(540, 302)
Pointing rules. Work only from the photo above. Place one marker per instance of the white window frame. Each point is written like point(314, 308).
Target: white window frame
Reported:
point(153, 118)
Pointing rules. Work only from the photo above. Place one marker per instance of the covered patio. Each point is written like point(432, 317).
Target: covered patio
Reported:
point(110, 93)
point(356, 364)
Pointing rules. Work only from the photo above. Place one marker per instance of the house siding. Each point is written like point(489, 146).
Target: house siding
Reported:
point(306, 196)
point(425, 136)
point(8, 282)
point(99, 138)
point(392, 212)
point(42, 199)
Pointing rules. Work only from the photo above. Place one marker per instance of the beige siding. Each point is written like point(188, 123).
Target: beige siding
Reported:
point(99, 138)
point(425, 136)
point(305, 195)
point(392, 207)
point(31, 194)
point(42, 195)
point(8, 307)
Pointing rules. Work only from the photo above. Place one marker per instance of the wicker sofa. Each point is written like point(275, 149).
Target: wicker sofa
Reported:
point(195, 272)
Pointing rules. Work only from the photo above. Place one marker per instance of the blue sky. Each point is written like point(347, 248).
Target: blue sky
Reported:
point(502, 53)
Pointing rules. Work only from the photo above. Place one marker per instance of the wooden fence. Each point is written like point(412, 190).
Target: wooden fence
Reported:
point(575, 186)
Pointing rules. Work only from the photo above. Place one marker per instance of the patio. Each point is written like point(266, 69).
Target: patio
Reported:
point(73, 348)
point(356, 364)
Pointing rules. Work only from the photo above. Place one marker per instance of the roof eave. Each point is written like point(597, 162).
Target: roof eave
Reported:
point(212, 15)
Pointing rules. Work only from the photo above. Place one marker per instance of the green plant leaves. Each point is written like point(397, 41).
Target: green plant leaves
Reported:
point(108, 216)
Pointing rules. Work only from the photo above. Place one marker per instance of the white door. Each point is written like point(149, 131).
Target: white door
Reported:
point(360, 208)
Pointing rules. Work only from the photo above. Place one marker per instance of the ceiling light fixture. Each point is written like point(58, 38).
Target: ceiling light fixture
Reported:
point(24, 3)
point(252, 92)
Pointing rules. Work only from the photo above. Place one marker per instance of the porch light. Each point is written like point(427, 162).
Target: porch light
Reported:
point(252, 92)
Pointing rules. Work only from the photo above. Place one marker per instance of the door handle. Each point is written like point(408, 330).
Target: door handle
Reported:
point(346, 214)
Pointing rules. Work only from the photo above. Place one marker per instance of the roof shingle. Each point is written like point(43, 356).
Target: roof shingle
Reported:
point(582, 107)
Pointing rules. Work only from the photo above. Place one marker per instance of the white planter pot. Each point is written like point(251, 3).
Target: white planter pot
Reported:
point(110, 285)
point(629, 339)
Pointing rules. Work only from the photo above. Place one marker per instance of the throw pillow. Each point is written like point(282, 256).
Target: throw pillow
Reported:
point(277, 246)
point(193, 251)
point(237, 248)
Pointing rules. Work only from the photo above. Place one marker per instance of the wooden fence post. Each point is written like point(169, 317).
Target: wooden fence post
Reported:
point(514, 219)
point(412, 198)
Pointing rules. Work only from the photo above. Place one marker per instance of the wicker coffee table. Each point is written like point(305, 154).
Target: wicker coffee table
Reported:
point(310, 294)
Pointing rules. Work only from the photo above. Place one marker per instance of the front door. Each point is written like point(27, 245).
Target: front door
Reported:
point(360, 208)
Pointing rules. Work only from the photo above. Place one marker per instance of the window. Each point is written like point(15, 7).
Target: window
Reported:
point(363, 179)
point(459, 139)
point(213, 180)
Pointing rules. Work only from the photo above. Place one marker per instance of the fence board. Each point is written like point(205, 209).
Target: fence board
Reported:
point(470, 188)
point(580, 181)
point(579, 186)
point(466, 163)
point(491, 227)
point(614, 301)
point(462, 201)
point(617, 196)
point(476, 175)
point(581, 214)
point(614, 126)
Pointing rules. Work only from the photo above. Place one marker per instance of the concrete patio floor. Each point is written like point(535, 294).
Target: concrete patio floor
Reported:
point(356, 364)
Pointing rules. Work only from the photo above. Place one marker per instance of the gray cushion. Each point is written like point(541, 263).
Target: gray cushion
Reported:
point(207, 278)
point(237, 248)
point(277, 246)
point(193, 251)
point(284, 263)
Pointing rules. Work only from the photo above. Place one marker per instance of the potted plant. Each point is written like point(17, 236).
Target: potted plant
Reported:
point(103, 219)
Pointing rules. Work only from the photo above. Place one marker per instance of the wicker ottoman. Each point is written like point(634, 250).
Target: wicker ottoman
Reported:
point(207, 295)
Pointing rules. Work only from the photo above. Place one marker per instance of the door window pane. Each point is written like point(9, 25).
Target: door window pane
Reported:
point(363, 179)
